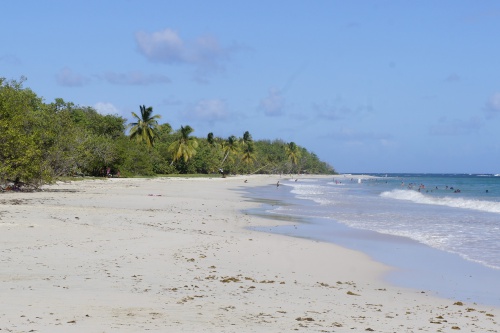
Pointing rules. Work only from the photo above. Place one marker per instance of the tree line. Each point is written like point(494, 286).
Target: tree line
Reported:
point(40, 142)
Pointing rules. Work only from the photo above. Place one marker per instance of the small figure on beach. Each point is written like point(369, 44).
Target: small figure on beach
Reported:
point(278, 184)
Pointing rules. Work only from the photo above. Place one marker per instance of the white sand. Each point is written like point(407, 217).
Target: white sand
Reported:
point(173, 255)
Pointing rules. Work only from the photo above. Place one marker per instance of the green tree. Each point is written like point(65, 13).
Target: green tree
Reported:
point(137, 160)
point(293, 153)
point(21, 135)
point(247, 137)
point(185, 146)
point(211, 138)
point(248, 153)
point(146, 126)
point(230, 146)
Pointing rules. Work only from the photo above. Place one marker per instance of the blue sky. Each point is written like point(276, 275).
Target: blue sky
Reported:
point(369, 86)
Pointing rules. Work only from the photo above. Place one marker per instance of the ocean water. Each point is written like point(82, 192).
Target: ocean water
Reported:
point(441, 231)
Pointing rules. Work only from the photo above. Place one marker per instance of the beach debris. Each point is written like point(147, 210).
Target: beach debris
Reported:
point(304, 319)
point(352, 294)
point(185, 299)
point(440, 320)
point(229, 279)
point(458, 303)
point(227, 308)
point(455, 328)
point(370, 329)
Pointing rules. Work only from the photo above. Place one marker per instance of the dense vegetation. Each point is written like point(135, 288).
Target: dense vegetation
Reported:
point(40, 142)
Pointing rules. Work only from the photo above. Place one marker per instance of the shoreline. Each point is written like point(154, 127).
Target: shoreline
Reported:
point(128, 255)
point(441, 273)
point(438, 272)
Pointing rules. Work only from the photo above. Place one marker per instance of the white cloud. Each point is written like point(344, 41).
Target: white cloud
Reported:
point(204, 53)
point(208, 110)
point(162, 46)
point(273, 104)
point(106, 108)
point(135, 78)
point(66, 77)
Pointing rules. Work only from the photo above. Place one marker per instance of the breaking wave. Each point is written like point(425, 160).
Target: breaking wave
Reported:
point(420, 198)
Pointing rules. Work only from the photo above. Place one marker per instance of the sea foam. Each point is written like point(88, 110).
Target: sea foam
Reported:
point(421, 198)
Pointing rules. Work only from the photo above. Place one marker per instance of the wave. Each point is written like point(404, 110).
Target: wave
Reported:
point(310, 192)
point(417, 197)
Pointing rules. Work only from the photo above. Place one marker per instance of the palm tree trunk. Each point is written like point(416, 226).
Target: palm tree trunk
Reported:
point(260, 168)
point(224, 159)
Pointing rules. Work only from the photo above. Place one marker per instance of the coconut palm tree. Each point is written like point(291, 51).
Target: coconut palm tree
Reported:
point(248, 153)
point(185, 146)
point(230, 147)
point(211, 139)
point(293, 152)
point(247, 137)
point(146, 126)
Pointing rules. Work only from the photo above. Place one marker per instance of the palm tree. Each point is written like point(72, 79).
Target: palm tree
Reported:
point(211, 139)
point(184, 147)
point(230, 146)
point(248, 153)
point(293, 152)
point(247, 137)
point(146, 126)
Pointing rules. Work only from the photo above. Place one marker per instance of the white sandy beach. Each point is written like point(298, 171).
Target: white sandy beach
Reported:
point(174, 255)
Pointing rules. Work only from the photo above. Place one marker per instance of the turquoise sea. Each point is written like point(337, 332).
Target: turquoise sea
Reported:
point(440, 231)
